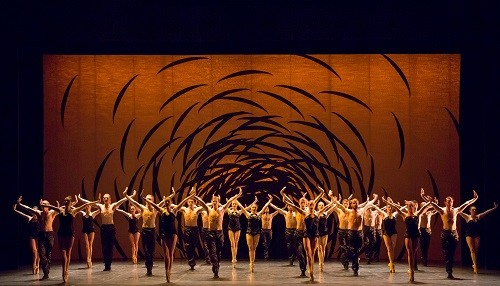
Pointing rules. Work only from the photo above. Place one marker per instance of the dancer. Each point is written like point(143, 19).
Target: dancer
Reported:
point(311, 220)
point(190, 230)
point(134, 234)
point(204, 233)
point(323, 230)
point(449, 235)
point(290, 227)
point(167, 228)
point(389, 232)
point(472, 233)
point(378, 236)
point(88, 231)
point(108, 230)
point(34, 229)
point(234, 228)
point(424, 221)
point(342, 233)
point(215, 237)
point(412, 235)
point(46, 235)
point(354, 229)
point(267, 231)
point(254, 228)
point(66, 232)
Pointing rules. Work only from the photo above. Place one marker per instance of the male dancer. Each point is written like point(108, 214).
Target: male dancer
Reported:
point(369, 220)
point(342, 233)
point(449, 235)
point(108, 230)
point(290, 228)
point(215, 237)
point(46, 235)
point(267, 232)
point(190, 230)
point(354, 229)
point(424, 221)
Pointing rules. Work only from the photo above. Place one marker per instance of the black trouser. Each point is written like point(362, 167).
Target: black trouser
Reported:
point(204, 233)
point(449, 240)
point(148, 245)
point(354, 243)
point(377, 244)
point(215, 241)
point(45, 245)
point(425, 241)
point(108, 235)
point(344, 253)
point(191, 236)
point(291, 243)
point(266, 237)
point(301, 253)
point(369, 241)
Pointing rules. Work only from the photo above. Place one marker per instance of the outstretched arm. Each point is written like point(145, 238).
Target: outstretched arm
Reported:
point(369, 203)
point(21, 213)
point(289, 202)
point(129, 215)
point(266, 205)
point(134, 202)
point(156, 206)
point(422, 209)
point(190, 196)
point(481, 215)
point(75, 210)
point(397, 207)
point(201, 202)
point(82, 199)
point(278, 210)
point(27, 208)
point(228, 203)
point(243, 209)
point(469, 202)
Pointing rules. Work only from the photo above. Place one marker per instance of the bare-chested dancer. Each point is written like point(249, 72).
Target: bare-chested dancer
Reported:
point(215, 237)
point(342, 233)
point(267, 232)
point(449, 235)
point(290, 227)
point(424, 221)
point(354, 229)
point(108, 230)
point(190, 231)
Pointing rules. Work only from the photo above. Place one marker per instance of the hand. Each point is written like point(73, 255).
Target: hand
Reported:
point(124, 192)
point(134, 193)
point(375, 196)
point(495, 205)
point(422, 192)
point(330, 193)
point(20, 199)
point(475, 194)
point(193, 191)
point(240, 192)
point(270, 197)
point(14, 206)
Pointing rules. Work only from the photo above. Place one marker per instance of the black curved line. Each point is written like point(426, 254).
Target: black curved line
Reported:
point(83, 192)
point(243, 72)
point(124, 142)
point(181, 61)
point(65, 99)
point(132, 180)
point(401, 139)
point(400, 72)
point(348, 96)
point(181, 119)
point(354, 130)
point(322, 63)
point(179, 93)
point(100, 170)
point(150, 133)
point(386, 195)
point(284, 100)
point(434, 184)
point(455, 121)
point(372, 176)
point(361, 186)
point(246, 101)
point(303, 92)
point(117, 193)
point(220, 95)
point(121, 94)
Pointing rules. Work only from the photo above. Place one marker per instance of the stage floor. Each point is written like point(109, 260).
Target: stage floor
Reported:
point(265, 272)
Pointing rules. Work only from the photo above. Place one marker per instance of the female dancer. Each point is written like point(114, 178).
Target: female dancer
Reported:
point(66, 232)
point(322, 232)
point(34, 228)
point(88, 231)
point(472, 233)
point(389, 233)
point(412, 232)
point(254, 228)
point(133, 229)
point(234, 228)
point(168, 231)
point(311, 234)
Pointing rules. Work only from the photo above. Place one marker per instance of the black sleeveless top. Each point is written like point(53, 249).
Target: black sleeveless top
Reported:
point(412, 230)
point(88, 224)
point(472, 229)
point(322, 228)
point(167, 224)
point(254, 224)
point(133, 224)
point(34, 228)
point(389, 226)
point(66, 225)
point(234, 221)
point(311, 226)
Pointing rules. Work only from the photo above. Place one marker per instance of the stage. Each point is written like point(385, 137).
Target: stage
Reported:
point(266, 272)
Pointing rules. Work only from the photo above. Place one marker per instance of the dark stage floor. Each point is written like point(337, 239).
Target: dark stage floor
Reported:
point(266, 272)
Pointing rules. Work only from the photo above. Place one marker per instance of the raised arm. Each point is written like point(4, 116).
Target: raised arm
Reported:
point(127, 214)
point(228, 203)
point(75, 210)
point(243, 209)
point(191, 195)
point(82, 199)
point(469, 202)
point(21, 213)
point(423, 209)
point(202, 203)
point(27, 208)
point(289, 202)
point(266, 205)
point(397, 207)
point(156, 206)
point(481, 215)
point(369, 203)
point(278, 210)
point(116, 204)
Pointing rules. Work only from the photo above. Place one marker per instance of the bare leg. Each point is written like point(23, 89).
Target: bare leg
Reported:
point(473, 244)
point(91, 248)
point(233, 239)
point(34, 252)
point(137, 235)
point(322, 241)
point(390, 244)
point(411, 247)
point(166, 257)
